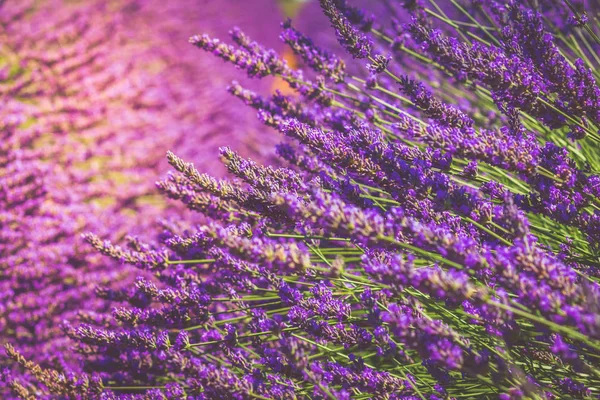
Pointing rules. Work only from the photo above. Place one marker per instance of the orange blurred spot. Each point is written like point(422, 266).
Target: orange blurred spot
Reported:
point(279, 84)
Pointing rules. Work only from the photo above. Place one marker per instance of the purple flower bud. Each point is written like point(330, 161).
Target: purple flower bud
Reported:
point(355, 42)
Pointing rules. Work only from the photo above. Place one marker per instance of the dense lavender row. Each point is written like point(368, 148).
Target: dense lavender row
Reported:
point(82, 95)
point(434, 234)
point(52, 183)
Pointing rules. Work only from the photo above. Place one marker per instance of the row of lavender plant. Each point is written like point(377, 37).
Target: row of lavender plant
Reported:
point(56, 96)
point(435, 233)
point(81, 105)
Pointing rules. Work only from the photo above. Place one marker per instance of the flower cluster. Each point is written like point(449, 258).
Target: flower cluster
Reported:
point(434, 233)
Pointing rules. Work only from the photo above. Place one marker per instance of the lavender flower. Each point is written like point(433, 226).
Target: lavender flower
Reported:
point(317, 59)
point(355, 42)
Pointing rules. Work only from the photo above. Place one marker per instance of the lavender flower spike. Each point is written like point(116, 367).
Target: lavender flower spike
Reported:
point(354, 41)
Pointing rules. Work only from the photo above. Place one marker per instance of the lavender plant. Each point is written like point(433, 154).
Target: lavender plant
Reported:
point(434, 234)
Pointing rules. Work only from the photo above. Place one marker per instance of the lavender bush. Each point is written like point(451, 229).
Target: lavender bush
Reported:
point(433, 235)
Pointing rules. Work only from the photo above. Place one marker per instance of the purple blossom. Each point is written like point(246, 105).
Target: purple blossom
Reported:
point(316, 58)
point(355, 42)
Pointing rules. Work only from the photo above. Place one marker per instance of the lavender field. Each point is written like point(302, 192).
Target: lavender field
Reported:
point(300, 199)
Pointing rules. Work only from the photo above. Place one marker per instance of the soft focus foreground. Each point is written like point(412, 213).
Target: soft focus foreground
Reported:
point(434, 235)
point(91, 98)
